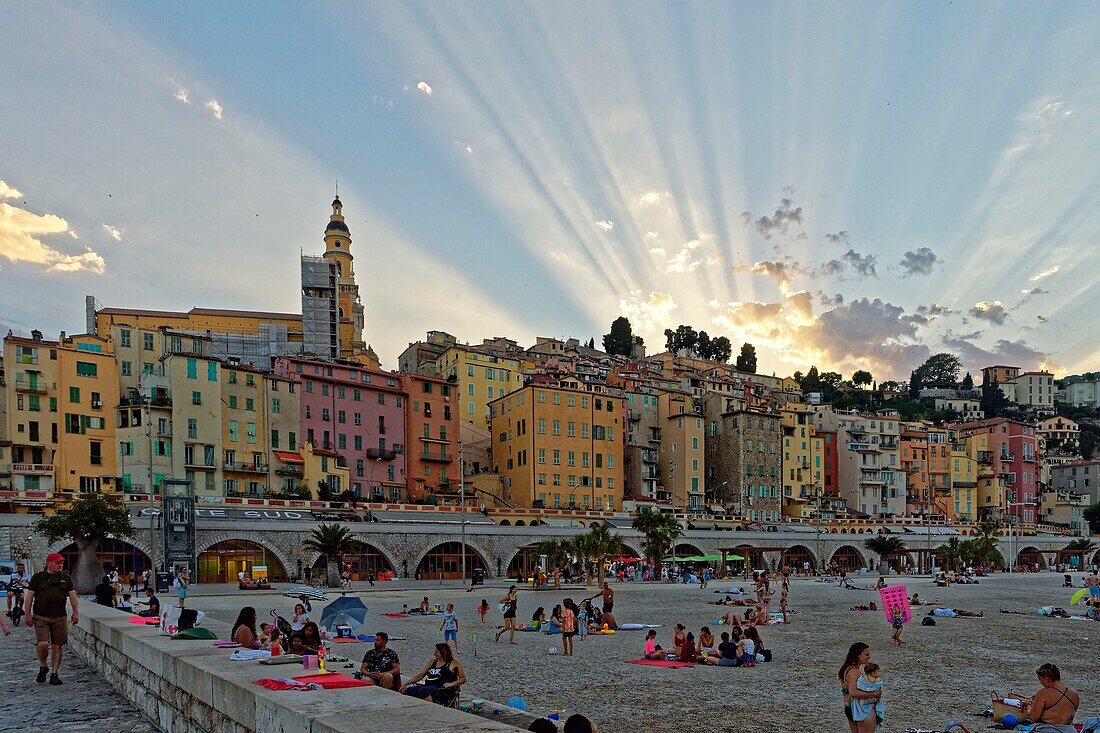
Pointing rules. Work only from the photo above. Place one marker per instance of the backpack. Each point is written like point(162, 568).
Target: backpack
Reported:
point(928, 621)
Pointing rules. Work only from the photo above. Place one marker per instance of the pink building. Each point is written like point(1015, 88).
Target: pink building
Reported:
point(1013, 450)
point(360, 414)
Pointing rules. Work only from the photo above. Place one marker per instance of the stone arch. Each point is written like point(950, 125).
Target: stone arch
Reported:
point(522, 562)
point(135, 541)
point(594, 525)
point(1096, 558)
point(118, 554)
point(633, 546)
point(686, 549)
point(849, 558)
point(505, 523)
point(1030, 556)
point(204, 542)
point(795, 555)
point(520, 523)
point(442, 560)
point(220, 562)
point(366, 557)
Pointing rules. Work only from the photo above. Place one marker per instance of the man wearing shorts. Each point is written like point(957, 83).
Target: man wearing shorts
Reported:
point(1093, 584)
point(44, 604)
point(607, 596)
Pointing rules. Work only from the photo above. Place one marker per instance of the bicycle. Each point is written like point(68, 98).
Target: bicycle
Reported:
point(16, 612)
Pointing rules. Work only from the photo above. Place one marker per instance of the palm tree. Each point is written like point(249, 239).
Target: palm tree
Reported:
point(332, 541)
point(603, 544)
point(985, 543)
point(885, 546)
point(557, 554)
point(87, 521)
point(1081, 547)
point(580, 547)
point(660, 532)
point(951, 553)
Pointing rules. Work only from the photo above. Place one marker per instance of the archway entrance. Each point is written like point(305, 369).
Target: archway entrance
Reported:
point(798, 557)
point(363, 558)
point(523, 565)
point(445, 562)
point(848, 559)
point(1030, 558)
point(684, 549)
point(222, 562)
point(754, 559)
point(114, 555)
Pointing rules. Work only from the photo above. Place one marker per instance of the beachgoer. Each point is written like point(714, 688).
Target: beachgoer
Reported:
point(44, 603)
point(542, 725)
point(16, 580)
point(244, 629)
point(726, 653)
point(859, 654)
point(381, 664)
point(869, 681)
point(608, 597)
point(688, 651)
point(371, 577)
point(783, 600)
point(653, 650)
point(152, 602)
point(897, 622)
point(424, 606)
point(299, 618)
point(679, 636)
point(582, 619)
point(555, 620)
point(579, 724)
point(297, 645)
point(126, 604)
point(483, 609)
point(568, 627)
point(1093, 584)
point(509, 602)
point(443, 675)
point(449, 627)
point(311, 637)
point(607, 620)
point(105, 593)
point(746, 651)
point(1053, 707)
point(183, 582)
point(953, 612)
point(305, 602)
point(706, 640)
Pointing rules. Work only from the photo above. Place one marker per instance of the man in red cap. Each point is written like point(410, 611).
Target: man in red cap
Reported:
point(44, 603)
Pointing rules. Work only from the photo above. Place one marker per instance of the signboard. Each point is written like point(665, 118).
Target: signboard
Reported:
point(259, 572)
point(178, 518)
point(255, 514)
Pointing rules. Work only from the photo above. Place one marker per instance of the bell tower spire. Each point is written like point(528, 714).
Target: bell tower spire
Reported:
point(338, 251)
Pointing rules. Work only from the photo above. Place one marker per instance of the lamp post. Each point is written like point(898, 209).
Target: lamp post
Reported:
point(462, 502)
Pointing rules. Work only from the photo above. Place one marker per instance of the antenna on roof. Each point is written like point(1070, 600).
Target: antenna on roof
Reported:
point(337, 188)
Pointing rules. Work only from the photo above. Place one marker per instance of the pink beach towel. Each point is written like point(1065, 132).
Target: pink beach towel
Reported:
point(896, 596)
point(396, 615)
point(670, 663)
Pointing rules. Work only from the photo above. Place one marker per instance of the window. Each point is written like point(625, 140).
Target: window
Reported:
point(196, 398)
point(542, 455)
point(292, 441)
point(249, 404)
point(192, 428)
point(234, 433)
point(124, 337)
point(74, 395)
point(557, 427)
point(147, 341)
point(542, 426)
point(557, 457)
point(251, 432)
point(192, 369)
point(341, 416)
point(325, 414)
point(212, 372)
point(542, 479)
point(232, 402)
point(146, 367)
point(127, 368)
point(86, 369)
point(276, 405)
point(571, 458)
point(381, 398)
point(324, 389)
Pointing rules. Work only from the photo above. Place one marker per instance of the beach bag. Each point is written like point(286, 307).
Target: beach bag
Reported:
point(174, 619)
point(928, 621)
point(1002, 705)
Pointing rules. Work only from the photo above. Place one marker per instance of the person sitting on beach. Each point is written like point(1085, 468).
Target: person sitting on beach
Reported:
point(105, 593)
point(424, 606)
point(443, 675)
point(731, 619)
point(381, 664)
point(1053, 707)
point(299, 617)
point(152, 602)
point(688, 651)
point(244, 629)
point(880, 583)
point(915, 600)
point(746, 650)
point(405, 609)
point(579, 724)
point(311, 637)
point(538, 618)
point(542, 725)
point(679, 636)
point(726, 653)
point(296, 645)
point(706, 641)
point(953, 612)
point(608, 621)
point(555, 620)
point(653, 650)
point(870, 680)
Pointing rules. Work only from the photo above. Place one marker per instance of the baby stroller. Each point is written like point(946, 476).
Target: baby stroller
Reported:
point(1067, 582)
point(282, 624)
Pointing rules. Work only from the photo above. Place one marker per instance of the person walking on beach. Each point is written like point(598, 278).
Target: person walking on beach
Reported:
point(608, 597)
point(1093, 584)
point(859, 654)
point(510, 603)
point(183, 582)
point(44, 604)
point(449, 627)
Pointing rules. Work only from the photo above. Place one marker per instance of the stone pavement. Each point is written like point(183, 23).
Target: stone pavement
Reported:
point(85, 702)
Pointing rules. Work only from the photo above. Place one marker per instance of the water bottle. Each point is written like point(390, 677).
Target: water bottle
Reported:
point(321, 657)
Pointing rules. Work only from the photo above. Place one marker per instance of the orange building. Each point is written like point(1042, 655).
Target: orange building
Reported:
point(431, 437)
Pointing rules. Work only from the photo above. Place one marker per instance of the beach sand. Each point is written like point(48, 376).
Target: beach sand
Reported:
point(942, 673)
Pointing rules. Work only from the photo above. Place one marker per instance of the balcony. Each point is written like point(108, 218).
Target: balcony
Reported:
point(1008, 457)
point(32, 469)
point(863, 447)
point(289, 469)
point(34, 387)
point(245, 467)
point(430, 458)
point(379, 454)
point(633, 415)
point(191, 465)
point(649, 456)
point(986, 457)
point(966, 484)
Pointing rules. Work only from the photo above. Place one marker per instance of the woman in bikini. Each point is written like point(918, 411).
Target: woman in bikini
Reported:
point(1054, 706)
point(858, 655)
point(509, 602)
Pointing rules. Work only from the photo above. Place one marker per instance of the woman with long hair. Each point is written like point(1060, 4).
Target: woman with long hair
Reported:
point(244, 629)
point(858, 655)
point(442, 677)
point(311, 637)
point(509, 604)
point(300, 617)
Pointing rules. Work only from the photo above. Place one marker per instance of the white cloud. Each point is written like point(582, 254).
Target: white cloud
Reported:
point(685, 260)
point(606, 224)
point(9, 192)
point(182, 95)
point(113, 232)
point(649, 313)
point(20, 241)
point(651, 234)
point(1046, 273)
point(423, 86)
point(214, 107)
point(652, 197)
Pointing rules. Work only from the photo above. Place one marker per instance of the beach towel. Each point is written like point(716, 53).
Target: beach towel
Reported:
point(226, 644)
point(147, 621)
point(638, 627)
point(896, 596)
point(285, 684)
point(344, 640)
point(396, 615)
point(332, 681)
point(249, 655)
point(669, 663)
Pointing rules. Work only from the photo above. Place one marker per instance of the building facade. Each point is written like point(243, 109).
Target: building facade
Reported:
point(432, 439)
point(743, 459)
point(480, 378)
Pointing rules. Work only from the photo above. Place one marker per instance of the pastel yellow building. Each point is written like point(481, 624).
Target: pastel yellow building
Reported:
point(142, 324)
point(480, 379)
point(682, 451)
point(556, 447)
point(964, 481)
point(87, 394)
point(802, 461)
point(324, 466)
point(990, 486)
point(244, 457)
point(31, 384)
point(195, 448)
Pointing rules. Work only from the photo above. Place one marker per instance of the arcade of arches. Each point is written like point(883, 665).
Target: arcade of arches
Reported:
point(363, 559)
point(222, 562)
point(444, 562)
point(848, 559)
point(796, 558)
point(115, 555)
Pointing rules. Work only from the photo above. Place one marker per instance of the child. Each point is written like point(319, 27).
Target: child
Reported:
point(449, 626)
point(869, 681)
point(897, 620)
point(568, 627)
point(483, 609)
point(582, 621)
point(653, 650)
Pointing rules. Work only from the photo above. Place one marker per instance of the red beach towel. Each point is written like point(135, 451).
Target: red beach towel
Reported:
point(333, 681)
point(396, 615)
point(670, 663)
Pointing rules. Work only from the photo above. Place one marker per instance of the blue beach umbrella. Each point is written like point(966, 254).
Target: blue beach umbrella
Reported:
point(345, 610)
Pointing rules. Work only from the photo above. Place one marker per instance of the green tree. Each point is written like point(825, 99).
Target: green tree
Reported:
point(1092, 516)
point(968, 381)
point(746, 360)
point(659, 531)
point(994, 402)
point(832, 380)
point(940, 370)
point(1082, 548)
point(704, 349)
point(885, 546)
point(621, 338)
point(721, 350)
point(557, 554)
point(951, 554)
point(812, 381)
point(684, 337)
point(602, 543)
point(862, 378)
point(332, 541)
point(88, 520)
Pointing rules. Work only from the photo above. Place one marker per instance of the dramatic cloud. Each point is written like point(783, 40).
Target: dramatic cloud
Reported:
point(215, 108)
point(20, 241)
point(423, 86)
point(782, 272)
point(1046, 273)
point(648, 312)
point(9, 192)
point(653, 197)
point(919, 262)
point(840, 237)
point(112, 232)
point(606, 224)
point(992, 311)
point(685, 260)
point(975, 357)
point(852, 262)
point(786, 217)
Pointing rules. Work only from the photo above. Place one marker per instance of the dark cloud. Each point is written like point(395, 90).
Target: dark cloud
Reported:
point(872, 331)
point(852, 262)
point(935, 310)
point(992, 311)
point(975, 357)
point(1031, 293)
point(787, 216)
point(919, 262)
point(840, 237)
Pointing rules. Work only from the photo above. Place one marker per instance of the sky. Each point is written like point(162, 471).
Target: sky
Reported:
point(851, 185)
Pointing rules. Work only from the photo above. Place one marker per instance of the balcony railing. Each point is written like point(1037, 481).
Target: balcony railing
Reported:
point(985, 456)
point(289, 469)
point(245, 467)
point(380, 454)
point(433, 458)
point(35, 387)
point(33, 469)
